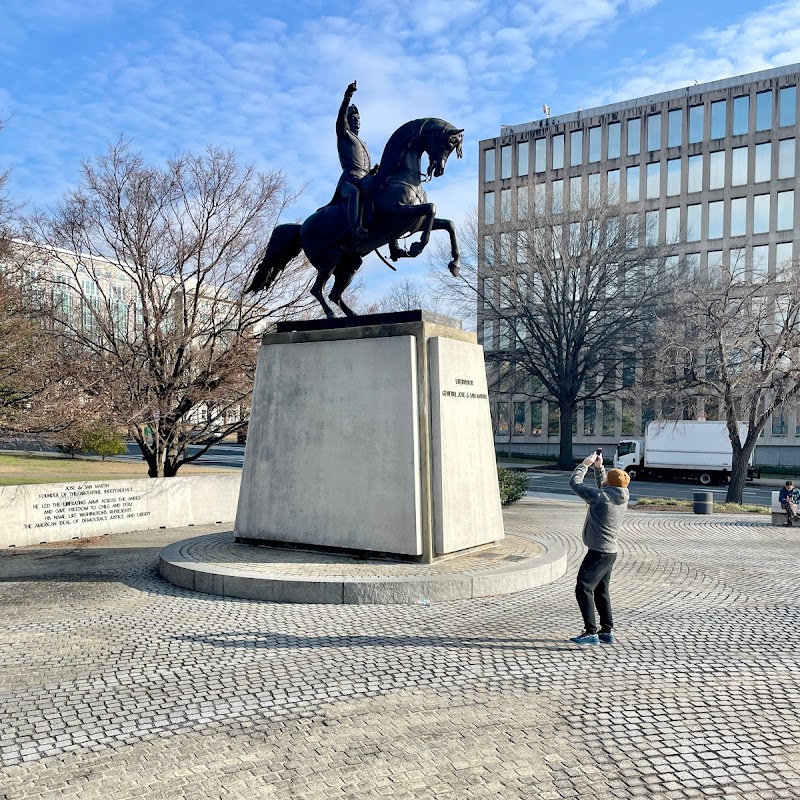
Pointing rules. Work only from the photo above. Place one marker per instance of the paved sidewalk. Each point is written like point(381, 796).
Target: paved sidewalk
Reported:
point(114, 684)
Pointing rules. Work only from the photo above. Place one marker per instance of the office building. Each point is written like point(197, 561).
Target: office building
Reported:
point(709, 167)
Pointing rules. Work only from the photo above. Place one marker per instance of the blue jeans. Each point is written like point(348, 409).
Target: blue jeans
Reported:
point(592, 589)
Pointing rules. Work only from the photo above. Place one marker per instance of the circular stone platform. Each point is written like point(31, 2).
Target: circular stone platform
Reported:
point(216, 564)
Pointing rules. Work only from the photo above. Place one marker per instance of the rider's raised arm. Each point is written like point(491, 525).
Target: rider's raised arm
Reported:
point(341, 119)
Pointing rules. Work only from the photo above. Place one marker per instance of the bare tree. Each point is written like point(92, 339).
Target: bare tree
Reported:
point(733, 342)
point(405, 295)
point(564, 301)
point(146, 268)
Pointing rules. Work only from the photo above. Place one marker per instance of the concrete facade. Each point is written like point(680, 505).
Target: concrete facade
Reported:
point(713, 166)
point(343, 438)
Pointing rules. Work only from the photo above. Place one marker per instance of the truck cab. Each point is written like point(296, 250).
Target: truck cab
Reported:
point(629, 456)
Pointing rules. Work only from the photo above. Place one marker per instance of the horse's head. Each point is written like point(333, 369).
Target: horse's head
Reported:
point(440, 138)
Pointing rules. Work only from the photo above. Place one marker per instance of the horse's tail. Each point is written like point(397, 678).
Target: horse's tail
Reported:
point(283, 246)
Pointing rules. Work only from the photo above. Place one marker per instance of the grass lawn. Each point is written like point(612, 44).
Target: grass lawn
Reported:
point(17, 469)
point(672, 504)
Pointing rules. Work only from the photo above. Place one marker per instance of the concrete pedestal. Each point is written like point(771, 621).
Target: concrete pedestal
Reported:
point(371, 438)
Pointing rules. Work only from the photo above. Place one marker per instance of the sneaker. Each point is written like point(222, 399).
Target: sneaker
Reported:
point(787, 524)
point(606, 637)
point(586, 638)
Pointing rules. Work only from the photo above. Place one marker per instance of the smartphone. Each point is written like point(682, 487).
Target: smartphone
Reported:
point(598, 451)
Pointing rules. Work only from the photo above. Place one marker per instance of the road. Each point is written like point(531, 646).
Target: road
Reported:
point(231, 455)
point(556, 483)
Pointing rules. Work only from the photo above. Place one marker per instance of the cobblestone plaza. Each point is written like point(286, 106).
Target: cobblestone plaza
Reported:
point(115, 684)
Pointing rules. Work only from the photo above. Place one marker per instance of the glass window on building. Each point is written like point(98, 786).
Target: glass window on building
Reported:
point(718, 118)
point(505, 258)
point(609, 417)
point(589, 417)
point(675, 127)
point(673, 177)
point(539, 194)
point(741, 115)
point(557, 148)
point(673, 225)
point(672, 266)
point(764, 111)
point(505, 205)
point(786, 158)
point(522, 201)
point(736, 261)
point(612, 187)
point(738, 166)
point(505, 161)
point(575, 148)
point(715, 219)
point(653, 180)
point(594, 144)
point(632, 231)
point(634, 136)
point(488, 164)
point(695, 124)
point(503, 425)
point(654, 132)
point(593, 196)
point(783, 253)
point(519, 419)
point(632, 184)
point(575, 193)
point(487, 337)
point(628, 419)
point(763, 165)
point(523, 149)
point(692, 267)
point(651, 228)
point(553, 419)
point(488, 250)
point(779, 424)
point(693, 222)
point(612, 232)
point(785, 211)
point(558, 196)
point(522, 254)
point(714, 266)
point(488, 208)
point(760, 263)
point(787, 103)
point(539, 155)
point(536, 417)
point(694, 179)
point(614, 129)
point(628, 372)
point(761, 213)
point(716, 170)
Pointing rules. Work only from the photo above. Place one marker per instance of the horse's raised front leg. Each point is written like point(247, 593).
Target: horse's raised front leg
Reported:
point(428, 211)
point(440, 224)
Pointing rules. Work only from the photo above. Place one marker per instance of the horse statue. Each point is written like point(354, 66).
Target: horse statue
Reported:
point(395, 205)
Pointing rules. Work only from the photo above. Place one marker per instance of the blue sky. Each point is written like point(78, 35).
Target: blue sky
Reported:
point(266, 78)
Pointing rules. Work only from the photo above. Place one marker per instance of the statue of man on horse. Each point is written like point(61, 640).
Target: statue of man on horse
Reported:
point(371, 207)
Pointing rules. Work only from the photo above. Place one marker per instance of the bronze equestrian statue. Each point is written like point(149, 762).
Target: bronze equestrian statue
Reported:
point(390, 203)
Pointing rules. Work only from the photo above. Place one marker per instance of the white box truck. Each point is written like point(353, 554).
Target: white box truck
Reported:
point(696, 449)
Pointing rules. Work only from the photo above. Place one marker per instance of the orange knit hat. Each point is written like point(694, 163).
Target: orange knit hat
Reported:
point(618, 477)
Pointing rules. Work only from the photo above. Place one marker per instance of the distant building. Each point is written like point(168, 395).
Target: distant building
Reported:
point(710, 166)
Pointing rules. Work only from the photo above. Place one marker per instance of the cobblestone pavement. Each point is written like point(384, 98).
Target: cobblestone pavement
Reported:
point(114, 684)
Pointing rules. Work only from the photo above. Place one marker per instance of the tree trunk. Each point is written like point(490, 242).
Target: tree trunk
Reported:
point(739, 467)
point(565, 459)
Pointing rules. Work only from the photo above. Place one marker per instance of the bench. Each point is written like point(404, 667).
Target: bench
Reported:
point(778, 514)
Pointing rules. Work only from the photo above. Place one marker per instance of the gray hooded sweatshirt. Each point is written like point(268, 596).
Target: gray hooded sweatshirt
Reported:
point(607, 506)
